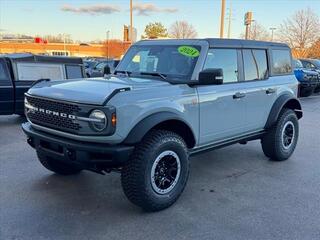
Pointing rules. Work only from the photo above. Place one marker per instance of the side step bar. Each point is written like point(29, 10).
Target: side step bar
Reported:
point(216, 145)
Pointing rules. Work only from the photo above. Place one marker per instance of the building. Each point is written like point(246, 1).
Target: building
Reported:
point(116, 49)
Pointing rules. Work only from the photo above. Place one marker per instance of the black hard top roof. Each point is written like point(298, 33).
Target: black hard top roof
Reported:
point(221, 42)
point(28, 57)
point(218, 42)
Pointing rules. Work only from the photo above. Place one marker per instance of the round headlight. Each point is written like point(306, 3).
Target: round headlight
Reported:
point(99, 120)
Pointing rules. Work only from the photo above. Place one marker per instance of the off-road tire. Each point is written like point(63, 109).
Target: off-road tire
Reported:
point(272, 143)
point(57, 166)
point(136, 174)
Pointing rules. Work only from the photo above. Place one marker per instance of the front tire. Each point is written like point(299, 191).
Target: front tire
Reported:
point(157, 172)
point(280, 141)
point(57, 166)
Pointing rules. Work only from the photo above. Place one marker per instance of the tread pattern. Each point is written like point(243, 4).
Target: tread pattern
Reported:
point(134, 173)
point(271, 142)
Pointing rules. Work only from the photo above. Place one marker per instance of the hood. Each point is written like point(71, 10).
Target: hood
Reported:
point(306, 71)
point(90, 90)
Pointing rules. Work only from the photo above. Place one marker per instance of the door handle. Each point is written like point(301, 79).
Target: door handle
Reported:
point(270, 90)
point(239, 95)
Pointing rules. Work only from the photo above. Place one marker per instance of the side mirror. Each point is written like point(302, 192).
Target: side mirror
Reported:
point(211, 76)
point(106, 70)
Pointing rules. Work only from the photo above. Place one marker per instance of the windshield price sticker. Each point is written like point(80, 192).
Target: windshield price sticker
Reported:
point(188, 51)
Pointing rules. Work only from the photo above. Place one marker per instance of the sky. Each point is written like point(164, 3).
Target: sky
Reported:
point(90, 20)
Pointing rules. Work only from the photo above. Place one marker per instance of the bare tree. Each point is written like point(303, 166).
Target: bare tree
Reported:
point(301, 30)
point(314, 50)
point(258, 32)
point(60, 38)
point(182, 29)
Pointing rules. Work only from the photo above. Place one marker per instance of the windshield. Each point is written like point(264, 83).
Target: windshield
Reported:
point(166, 62)
point(297, 63)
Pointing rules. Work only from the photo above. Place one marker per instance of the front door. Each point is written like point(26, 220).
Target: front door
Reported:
point(6, 90)
point(222, 107)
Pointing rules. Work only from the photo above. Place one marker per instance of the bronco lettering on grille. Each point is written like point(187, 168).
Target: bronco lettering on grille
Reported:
point(34, 109)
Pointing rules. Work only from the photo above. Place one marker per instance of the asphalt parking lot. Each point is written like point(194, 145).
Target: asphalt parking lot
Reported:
point(232, 193)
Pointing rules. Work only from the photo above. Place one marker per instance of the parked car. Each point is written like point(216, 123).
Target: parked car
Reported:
point(97, 70)
point(167, 100)
point(313, 64)
point(309, 79)
point(88, 66)
point(18, 72)
point(89, 63)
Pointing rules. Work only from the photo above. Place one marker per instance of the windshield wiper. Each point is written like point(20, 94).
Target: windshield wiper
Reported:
point(127, 73)
point(163, 76)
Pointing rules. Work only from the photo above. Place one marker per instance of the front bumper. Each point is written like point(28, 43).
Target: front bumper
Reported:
point(91, 156)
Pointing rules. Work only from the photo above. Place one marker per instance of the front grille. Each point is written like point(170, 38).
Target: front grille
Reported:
point(44, 117)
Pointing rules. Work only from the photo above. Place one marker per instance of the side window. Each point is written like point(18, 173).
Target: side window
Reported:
point(73, 71)
point(3, 72)
point(281, 62)
point(227, 60)
point(255, 64)
point(35, 71)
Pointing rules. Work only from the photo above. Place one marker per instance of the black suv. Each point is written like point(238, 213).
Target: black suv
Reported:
point(18, 72)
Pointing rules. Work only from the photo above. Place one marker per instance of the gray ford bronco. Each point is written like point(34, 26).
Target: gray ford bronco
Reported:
point(166, 101)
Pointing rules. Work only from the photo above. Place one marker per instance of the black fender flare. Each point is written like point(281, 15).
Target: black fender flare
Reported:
point(285, 100)
point(141, 128)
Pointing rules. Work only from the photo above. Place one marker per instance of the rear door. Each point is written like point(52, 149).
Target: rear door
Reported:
point(222, 108)
point(260, 89)
point(6, 90)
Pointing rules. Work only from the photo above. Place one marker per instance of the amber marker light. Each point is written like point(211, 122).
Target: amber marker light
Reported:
point(114, 119)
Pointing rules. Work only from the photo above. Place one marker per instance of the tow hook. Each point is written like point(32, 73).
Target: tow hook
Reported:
point(30, 142)
point(70, 154)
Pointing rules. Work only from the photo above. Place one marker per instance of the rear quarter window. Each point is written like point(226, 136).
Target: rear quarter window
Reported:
point(73, 71)
point(36, 71)
point(281, 62)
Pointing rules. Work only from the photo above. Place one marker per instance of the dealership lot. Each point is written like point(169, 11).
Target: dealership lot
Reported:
point(232, 193)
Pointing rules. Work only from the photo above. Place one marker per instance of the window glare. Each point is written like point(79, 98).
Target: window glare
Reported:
point(227, 60)
point(281, 62)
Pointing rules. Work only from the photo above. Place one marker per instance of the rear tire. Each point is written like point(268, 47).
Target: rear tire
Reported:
point(157, 172)
point(280, 141)
point(57, 166)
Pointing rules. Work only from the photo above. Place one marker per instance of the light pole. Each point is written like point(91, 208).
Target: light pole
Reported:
point(247, 22)
point(64, 44)
point(131, 21)
point(108, 44)
point(272, 30)
point(223, 9)
point(229, 20)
